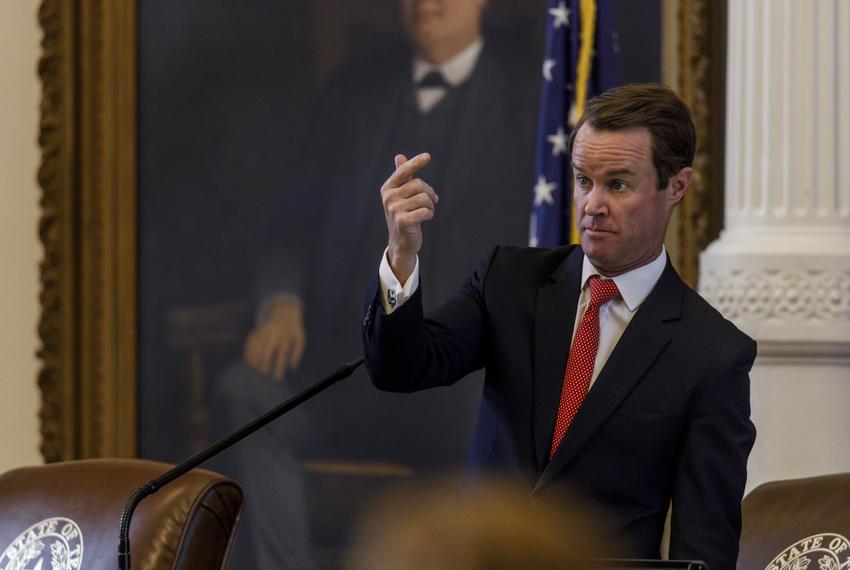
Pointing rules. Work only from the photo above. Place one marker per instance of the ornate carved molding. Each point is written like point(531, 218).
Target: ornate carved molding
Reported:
point(794, 296)
point(87, 176)
point(53, 353)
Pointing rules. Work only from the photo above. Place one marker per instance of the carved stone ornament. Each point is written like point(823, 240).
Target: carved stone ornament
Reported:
point(795, 296)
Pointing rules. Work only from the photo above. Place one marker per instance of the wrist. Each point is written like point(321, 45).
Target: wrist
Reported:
point(402, 264)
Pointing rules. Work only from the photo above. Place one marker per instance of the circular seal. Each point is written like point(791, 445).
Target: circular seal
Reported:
point(52, 544)
point(825, 551)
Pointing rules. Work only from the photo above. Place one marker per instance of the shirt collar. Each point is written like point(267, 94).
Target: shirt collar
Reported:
point(634, 285)
point(455, 70)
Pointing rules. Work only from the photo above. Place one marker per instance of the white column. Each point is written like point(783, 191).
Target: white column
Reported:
point(781, 268)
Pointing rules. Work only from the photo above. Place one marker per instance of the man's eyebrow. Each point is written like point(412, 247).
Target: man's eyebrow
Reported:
point(620, 172)
point(610, 173)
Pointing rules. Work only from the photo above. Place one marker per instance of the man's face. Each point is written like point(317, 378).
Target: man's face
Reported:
point(433, 23)
point(620, 213)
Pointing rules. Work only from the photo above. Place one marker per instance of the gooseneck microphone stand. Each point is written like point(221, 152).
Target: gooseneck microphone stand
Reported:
point(155, 485)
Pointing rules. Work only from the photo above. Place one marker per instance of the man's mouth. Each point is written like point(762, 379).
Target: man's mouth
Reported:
point(597, 231)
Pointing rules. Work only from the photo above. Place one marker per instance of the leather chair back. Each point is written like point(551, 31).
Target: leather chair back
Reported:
point(799, 524)
point(66, 516)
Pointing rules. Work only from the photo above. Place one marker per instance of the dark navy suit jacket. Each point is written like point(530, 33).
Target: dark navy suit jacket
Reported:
point(666, 420)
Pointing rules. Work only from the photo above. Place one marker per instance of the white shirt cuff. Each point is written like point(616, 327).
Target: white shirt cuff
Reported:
point(393, 293)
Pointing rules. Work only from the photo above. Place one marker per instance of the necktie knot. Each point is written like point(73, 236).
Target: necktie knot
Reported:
point(433, 79)
point(602, 290)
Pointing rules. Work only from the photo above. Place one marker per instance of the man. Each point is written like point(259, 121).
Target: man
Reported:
point(648, 404)
point(465, 98)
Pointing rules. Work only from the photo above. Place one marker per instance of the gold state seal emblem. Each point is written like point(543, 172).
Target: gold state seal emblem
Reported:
point(52, 544)
point(826, 551)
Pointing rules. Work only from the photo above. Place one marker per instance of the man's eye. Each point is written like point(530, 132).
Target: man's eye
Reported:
point(618, 185)
point(582, 180)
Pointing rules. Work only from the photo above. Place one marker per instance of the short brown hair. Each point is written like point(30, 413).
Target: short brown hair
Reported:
point(655, 107)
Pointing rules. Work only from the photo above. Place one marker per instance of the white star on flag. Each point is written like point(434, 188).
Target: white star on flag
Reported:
point(561, 14)
point(547, 69)
point(543, 191)
point(559, 142)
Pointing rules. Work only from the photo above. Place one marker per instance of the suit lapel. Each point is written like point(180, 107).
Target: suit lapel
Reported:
point(553, 324)
point(644, 339)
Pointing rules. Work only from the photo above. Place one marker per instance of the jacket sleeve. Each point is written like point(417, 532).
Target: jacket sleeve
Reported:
point(712, 468)
point(408, 351)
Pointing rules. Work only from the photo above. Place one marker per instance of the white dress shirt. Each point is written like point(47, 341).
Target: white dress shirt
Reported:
point(614, 316)
point(455, 71)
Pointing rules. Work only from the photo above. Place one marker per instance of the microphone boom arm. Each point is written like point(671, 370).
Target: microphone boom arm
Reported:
point(237, 435)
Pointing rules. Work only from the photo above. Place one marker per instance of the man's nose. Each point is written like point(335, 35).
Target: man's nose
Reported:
point(596, 204)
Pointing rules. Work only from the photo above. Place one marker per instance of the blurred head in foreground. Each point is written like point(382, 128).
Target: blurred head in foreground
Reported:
point(493, 526)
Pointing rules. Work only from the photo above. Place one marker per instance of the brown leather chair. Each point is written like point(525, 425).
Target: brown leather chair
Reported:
point(799, 524)
point(66, 515)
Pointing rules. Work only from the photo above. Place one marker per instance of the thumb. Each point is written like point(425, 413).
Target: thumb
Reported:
point(399, 160)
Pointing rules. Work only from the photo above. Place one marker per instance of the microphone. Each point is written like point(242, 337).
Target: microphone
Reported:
point(234, 437)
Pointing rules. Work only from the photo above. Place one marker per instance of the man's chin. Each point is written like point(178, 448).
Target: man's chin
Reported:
point(595, 255)
point(590, 245)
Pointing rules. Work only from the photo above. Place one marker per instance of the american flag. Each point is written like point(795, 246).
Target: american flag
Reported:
point(582, 59)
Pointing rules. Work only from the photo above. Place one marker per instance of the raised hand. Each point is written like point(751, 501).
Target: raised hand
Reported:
point(408, 202)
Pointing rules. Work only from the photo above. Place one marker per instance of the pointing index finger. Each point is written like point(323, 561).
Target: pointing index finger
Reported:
point(406, 170)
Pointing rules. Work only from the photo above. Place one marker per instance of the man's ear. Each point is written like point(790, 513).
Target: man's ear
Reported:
point(679, 183)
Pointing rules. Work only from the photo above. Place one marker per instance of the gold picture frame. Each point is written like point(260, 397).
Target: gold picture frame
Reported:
point(87, 176)
point(88, 226)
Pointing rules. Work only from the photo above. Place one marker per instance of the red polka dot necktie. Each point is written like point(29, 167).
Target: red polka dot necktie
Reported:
point(582, 357)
